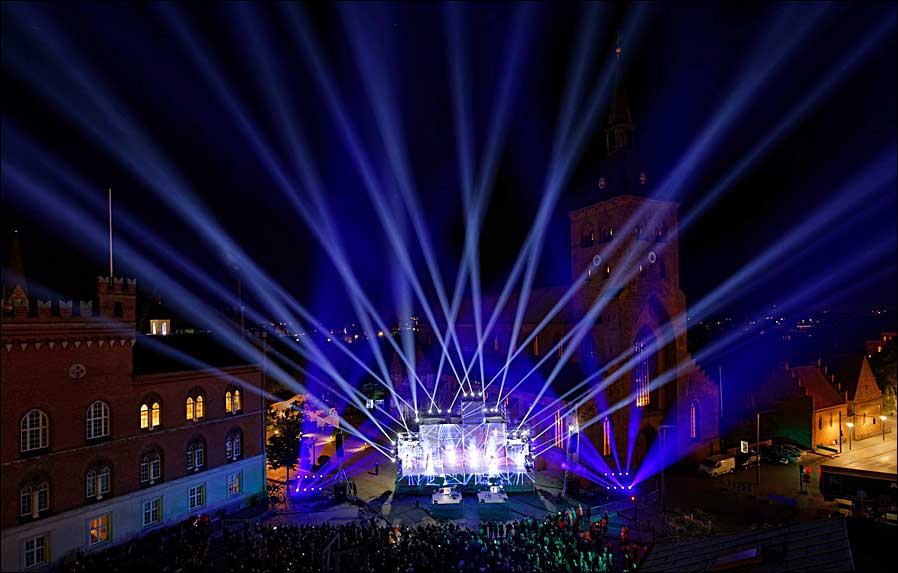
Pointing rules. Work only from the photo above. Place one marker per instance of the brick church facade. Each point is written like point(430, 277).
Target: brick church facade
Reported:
point(93, 454)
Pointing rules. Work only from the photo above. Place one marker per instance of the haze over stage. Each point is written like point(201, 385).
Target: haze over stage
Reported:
point(468, 446)
point(485, 448)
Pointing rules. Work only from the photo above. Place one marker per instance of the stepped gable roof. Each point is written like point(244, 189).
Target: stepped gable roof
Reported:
point(819, 387)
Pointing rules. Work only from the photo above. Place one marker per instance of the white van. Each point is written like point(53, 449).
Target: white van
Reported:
point(719, 465)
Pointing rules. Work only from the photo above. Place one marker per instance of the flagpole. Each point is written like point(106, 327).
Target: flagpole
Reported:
point(110, 235)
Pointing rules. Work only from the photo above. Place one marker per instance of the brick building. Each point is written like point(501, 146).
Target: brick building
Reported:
point(810, 401)
point(809, 404)
point(644, 308)
point(878, 345)
point(863, 394)
point(93, 452)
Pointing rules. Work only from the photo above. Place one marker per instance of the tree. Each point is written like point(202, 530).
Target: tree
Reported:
point(283, 445)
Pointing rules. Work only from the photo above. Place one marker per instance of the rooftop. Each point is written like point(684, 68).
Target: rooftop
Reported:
point(820, 545)
point(179, 352)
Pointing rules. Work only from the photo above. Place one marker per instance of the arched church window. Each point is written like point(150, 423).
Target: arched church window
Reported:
point(695, 420)
point(642, 373)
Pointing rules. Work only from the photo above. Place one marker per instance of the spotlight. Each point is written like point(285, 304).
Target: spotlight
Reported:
point(630, 487)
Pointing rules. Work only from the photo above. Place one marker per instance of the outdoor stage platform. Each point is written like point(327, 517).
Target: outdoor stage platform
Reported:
point(471, 452)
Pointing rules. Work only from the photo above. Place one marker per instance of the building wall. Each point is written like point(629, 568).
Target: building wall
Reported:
point(866, 419)
point(867, 404)
point(642, 297)
point(61, 363)
point(69, 532)
point(825, 425)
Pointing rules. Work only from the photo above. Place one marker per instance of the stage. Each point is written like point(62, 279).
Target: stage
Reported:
point(471, 451)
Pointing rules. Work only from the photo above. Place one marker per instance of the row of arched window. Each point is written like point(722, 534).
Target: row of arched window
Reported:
point(194, 407)
point(34, 428)
point(35, 498)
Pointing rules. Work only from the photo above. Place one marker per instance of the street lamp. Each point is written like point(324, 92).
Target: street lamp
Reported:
point(883, 420)
point(850, 425)
point(758, 443)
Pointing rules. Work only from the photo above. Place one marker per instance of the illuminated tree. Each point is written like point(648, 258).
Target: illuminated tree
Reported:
point(283, 445)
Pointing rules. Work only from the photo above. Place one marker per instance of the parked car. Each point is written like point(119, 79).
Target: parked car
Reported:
point(795, 451)
point(786, 452)
point(747, 460)
point(771, 455)
point(719, 465)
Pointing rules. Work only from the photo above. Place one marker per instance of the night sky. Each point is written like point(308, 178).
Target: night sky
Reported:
point(681, 64)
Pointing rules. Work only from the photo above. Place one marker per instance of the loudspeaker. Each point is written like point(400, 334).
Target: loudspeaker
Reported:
point(341, 491)
point(338, 441)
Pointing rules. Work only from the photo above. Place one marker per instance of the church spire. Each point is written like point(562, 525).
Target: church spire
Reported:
point(619, 127)
point(15, 286)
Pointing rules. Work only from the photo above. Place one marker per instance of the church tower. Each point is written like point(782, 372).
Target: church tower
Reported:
point(625, 247)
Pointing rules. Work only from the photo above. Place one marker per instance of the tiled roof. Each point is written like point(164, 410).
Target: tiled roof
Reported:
point(819, 387)
point(820, 545)
point(848, 371)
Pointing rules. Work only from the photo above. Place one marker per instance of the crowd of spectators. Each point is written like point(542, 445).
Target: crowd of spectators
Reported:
point(178, 549)
point(566, 542)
